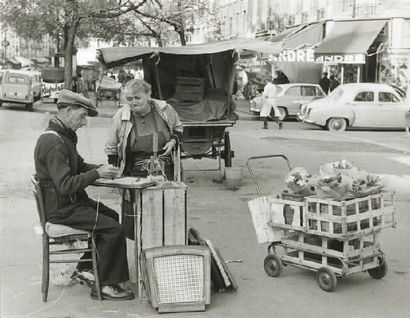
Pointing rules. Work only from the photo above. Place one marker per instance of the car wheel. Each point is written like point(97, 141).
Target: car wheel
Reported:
point(336, 124)
point(29, 107)
point(285, 111)
point(1, 103)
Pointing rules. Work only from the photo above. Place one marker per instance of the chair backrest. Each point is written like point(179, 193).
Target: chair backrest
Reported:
point(38, 195)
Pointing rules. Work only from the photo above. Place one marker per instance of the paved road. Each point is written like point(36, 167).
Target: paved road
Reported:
point(221, 215)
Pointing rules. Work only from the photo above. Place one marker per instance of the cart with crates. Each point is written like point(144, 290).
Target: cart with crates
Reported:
point(332, 238)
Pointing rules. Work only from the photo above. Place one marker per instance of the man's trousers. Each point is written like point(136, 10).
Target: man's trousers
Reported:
point(110, 239)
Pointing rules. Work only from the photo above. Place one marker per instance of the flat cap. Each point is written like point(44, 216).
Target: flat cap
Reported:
point(68, 97)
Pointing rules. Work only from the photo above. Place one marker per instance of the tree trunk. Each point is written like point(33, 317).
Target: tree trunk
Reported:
point(181, 34)
point(68, 55)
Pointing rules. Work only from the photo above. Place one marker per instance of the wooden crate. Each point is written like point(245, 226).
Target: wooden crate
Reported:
point(189, 89)
point(164, 215)
point(161, 220)
point(350, 218)
point(342, 257)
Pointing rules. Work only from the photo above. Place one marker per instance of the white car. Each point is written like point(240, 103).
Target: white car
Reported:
point(367, 105)
point(290, 97)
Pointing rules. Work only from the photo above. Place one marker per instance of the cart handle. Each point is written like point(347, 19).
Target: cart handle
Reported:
point(264, 157)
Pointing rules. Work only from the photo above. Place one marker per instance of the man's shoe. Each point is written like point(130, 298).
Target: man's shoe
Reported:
point(114, 292)
point(84, 277)
point(264, 127)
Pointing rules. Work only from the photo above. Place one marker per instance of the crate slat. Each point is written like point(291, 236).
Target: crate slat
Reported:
point(152, 221)
point(175, 227)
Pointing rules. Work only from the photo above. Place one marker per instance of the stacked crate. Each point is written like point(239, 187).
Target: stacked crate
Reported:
point(342, 235)
point(347, 219)
point(189, 89)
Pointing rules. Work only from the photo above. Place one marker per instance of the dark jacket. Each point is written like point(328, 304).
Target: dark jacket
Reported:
point(62, 172)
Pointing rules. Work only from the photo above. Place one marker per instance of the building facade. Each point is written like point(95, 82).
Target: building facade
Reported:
point(13, 45)
point(245, 18)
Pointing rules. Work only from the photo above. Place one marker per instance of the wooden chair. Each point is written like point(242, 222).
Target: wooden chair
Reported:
point(57, 234)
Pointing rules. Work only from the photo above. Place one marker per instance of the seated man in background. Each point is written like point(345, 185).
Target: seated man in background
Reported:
point(63, 176)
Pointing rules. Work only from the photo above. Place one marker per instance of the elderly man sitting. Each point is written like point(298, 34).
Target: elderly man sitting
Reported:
point(63, 176)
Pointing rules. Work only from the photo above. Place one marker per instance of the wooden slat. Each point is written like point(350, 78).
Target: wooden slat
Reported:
point(174, 216)
point(152, 222)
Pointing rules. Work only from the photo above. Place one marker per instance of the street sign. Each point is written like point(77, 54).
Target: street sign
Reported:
point(5, 43)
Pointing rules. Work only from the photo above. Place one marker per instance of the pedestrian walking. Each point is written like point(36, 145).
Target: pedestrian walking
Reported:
point(269, 105)
point(333, 83)
point(280, 78)
point(324, 83)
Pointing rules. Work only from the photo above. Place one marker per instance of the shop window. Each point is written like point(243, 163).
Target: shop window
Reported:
point(387, 97)
point(293, 91)
point(364, 97)
point(308, 91)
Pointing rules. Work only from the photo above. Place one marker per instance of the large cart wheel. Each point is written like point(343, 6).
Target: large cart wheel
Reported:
point(273, 265)
point(379, 271)
point(228, 153)
point(326, 279)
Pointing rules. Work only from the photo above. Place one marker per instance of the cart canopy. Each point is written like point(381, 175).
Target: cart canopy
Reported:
point(196, 79)
point(114, 56)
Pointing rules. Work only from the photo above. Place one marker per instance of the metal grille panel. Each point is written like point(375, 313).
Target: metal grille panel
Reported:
point(179, 278)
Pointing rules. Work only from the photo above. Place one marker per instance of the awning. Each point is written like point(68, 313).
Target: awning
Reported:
point(349, 38)
point(287, 33)
point(120, 55)
point(307, 37)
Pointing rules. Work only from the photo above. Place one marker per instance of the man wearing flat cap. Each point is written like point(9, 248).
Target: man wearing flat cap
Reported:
point(63, 177)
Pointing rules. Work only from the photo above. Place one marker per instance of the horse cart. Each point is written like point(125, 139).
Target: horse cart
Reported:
point(197, 80)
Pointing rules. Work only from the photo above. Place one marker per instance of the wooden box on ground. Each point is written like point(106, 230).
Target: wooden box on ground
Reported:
point(161, 219)
point(164, 215)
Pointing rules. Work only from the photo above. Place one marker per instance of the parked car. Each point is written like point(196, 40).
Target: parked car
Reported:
point(21, 87)
point(367, 105)
point(290, 97)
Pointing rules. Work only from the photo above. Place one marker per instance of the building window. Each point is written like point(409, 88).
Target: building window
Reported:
point(346, 5)
point(366, 8)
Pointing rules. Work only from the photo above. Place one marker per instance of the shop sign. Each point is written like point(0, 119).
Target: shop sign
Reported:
point(340, 58)
point(5, 43)
point(295, 56)
point(310, 56)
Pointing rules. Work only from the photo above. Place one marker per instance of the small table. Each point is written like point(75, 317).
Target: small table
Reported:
point(164, 205)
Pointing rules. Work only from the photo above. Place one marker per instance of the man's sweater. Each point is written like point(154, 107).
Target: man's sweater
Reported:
point(62, 172)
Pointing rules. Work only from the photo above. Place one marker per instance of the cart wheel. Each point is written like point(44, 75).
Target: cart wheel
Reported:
point(380, 271)
point(227, 150)
point(326, 279)
point(273, 265)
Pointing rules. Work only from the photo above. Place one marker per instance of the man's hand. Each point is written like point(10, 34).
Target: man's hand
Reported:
point(108, 171)
point(168, 147)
